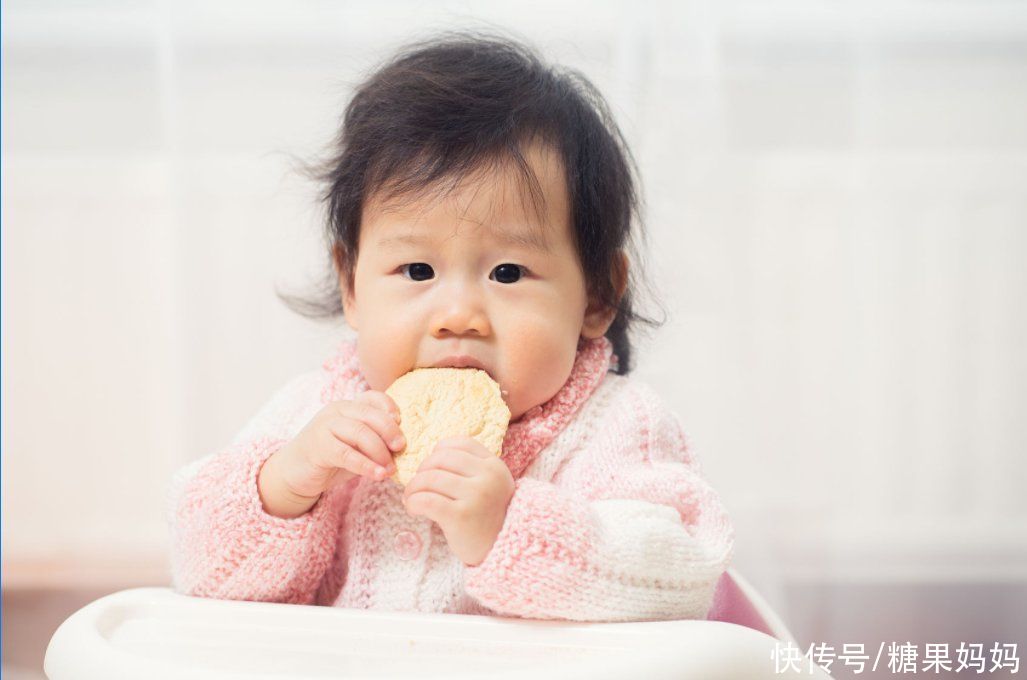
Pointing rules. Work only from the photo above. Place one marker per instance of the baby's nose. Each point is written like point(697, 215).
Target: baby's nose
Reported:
point(461, 313)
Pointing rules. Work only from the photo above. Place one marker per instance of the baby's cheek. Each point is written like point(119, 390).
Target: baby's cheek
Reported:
point(384, 356)
point(539, 363)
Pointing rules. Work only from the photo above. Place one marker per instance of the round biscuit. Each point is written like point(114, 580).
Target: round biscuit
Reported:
point(435, 403)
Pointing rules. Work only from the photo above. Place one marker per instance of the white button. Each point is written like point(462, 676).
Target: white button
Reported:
point(407, 544)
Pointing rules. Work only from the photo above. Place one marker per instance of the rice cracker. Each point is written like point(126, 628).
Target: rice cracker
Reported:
point(436, 403)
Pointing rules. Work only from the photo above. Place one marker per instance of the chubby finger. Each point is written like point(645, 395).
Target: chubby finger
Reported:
point(442, 482)
point(468, 444)
point(454, 460)
point(348, 458)
point(360, 436)
point(377, 419)
point(436, 507)
point(380, 400)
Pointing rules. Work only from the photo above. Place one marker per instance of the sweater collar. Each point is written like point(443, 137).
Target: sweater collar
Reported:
point(538, 426)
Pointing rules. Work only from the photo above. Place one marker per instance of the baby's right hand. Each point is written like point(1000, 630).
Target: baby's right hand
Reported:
point(345, 439)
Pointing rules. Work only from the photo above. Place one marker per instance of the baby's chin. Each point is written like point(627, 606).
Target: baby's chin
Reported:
point(516, 417)
point(530, 396)
point(519, 405)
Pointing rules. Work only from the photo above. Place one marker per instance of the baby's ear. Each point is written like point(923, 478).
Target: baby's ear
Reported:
point(598, 317)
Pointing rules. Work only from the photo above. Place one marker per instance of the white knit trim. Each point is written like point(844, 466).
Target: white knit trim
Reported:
point(578, 432)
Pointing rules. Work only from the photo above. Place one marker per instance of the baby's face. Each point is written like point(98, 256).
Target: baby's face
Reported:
point(473, 277)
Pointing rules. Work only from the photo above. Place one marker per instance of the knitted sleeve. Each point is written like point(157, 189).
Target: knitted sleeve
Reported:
point(629, 530)
point(224, 545)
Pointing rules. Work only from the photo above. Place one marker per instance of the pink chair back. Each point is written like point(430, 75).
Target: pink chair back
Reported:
point(730, 605)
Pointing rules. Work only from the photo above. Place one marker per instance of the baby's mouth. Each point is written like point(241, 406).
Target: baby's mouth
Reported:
point(466, 361)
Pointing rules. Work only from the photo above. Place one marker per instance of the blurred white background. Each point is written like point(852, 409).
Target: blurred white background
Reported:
point(837, 216)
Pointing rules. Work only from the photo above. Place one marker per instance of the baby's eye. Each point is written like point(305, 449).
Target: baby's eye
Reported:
point(507, 273)
point(418, 271)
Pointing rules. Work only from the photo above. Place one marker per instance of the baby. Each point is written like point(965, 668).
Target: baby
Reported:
point(479, 210)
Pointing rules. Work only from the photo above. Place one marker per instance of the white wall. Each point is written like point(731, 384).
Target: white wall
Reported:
point(838, 193)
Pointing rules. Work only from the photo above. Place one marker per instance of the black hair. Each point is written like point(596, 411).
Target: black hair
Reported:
point(447, 107)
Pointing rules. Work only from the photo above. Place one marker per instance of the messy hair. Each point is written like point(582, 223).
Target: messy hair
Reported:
point(441, 110)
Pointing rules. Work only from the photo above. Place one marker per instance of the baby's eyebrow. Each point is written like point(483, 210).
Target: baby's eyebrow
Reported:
point(532, 241)
point(393, 241)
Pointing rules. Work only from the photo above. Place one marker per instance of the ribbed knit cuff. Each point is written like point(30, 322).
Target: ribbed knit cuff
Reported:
point(255, 455)
point(227, 546)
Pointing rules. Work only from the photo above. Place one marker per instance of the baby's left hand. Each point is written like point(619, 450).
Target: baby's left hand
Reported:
point(465, 489)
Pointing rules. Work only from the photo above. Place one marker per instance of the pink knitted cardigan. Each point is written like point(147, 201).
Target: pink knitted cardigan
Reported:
point(611, 518)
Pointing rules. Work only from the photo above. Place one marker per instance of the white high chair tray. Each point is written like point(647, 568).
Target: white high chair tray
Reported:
point(156, 633)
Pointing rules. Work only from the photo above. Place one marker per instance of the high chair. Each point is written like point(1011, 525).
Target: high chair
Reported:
point(156, 634)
